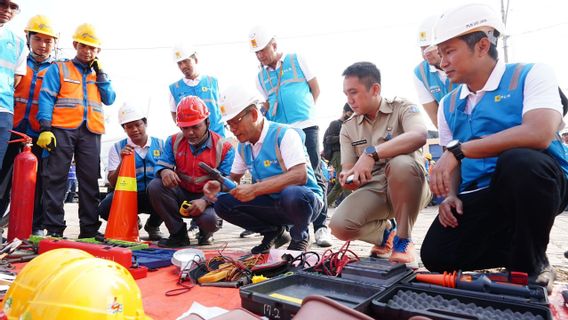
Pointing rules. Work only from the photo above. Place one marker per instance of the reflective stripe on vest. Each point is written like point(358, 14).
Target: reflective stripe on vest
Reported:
point(496, 111)
point(69, 109)
point(27, 94)
point(144, 167)
point(193, 178)
point(269, 161)
point(207, 90)
point(288, 92)
point(432, 81)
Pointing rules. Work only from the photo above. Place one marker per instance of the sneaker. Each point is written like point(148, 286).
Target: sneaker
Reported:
point(276, 238)
point(139, 223)
point(154, 233)
point(385, 248)
point(544, 278)
point(301, 245)
point(193, 231)
point(403, 252)
point(54, 234)
point(246, 233)
point(323, 237)
point(205, 239)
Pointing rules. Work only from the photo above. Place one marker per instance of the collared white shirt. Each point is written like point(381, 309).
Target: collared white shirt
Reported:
point(114, 156)
point(189, 82)
point(291, 147)
point(540, 92)
point(424, 94)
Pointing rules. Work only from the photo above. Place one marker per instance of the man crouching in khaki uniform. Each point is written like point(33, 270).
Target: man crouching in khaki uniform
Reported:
point(382, 164)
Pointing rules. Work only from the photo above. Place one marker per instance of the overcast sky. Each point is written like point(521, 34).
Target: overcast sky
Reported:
point(138, 35)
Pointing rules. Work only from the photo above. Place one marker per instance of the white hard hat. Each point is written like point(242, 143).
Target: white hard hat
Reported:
point(564, 131)
point(129, 112)
point(181, 52)
point(425, 31)
point(259, 37)
point(467, 19)
point(235, 99)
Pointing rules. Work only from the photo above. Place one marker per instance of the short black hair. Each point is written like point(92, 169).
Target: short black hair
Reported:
point(472, 38)
point(367, 72)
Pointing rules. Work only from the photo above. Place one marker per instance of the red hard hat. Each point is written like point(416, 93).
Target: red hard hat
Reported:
point(190, 111)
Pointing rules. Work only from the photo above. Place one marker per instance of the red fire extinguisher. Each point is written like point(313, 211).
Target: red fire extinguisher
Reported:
point(23, 191)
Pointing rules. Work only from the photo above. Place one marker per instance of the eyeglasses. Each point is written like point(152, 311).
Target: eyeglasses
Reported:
point(10, 5)
point(235, 121)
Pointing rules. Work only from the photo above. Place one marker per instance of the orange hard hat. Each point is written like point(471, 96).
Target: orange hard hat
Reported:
point(190, 111)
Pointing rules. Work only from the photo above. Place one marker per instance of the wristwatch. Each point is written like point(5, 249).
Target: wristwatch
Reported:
point(372, 152)
point(454, 147)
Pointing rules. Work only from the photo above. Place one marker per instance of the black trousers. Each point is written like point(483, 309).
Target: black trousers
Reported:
point(505, 225)
point(86, 147)
point(143, 207)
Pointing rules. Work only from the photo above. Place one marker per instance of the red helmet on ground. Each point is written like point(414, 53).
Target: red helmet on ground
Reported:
point(190, 111)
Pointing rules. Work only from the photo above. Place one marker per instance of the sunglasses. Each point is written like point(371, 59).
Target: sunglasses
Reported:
point(10, 5)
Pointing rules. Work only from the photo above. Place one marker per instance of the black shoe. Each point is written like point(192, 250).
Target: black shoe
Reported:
point(302, 245)
point(205, 239)
point(177, 240)
point(246, 233)
point(84, 235)
point(276, 238)
point(154, 233)
point(545, 278)
point(139, 223)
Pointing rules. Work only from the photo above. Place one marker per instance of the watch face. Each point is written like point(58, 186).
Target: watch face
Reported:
point(370, 149)
point(452, 144)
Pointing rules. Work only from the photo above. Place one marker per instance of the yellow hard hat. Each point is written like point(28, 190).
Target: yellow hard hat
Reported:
point(88, 289)
point(33, 275)
point(41, 24)
point(86, 34)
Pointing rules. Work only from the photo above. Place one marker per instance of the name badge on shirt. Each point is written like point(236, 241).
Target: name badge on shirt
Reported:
point(156, 153)
point(359, 142)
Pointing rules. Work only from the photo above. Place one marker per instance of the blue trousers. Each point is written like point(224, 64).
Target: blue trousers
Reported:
point(296, 207)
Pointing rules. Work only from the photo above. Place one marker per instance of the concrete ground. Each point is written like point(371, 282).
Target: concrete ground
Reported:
point(229, 236)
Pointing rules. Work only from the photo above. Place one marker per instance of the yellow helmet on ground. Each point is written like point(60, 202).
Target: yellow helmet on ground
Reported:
point(86, 34)
point(41, 24)
point(33, 275)
point(88, 289)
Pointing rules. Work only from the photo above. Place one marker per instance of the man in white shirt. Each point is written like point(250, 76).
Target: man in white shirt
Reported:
point(195, 84)
point(284, 191)
point(147, 151)
point(504, 169)
point(290, 90)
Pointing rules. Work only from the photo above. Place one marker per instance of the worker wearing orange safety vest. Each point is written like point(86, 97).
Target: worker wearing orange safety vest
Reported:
point(71, 123)
point(41, 39)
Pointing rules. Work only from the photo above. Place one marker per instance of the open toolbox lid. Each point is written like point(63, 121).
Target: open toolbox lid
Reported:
point(405, 300)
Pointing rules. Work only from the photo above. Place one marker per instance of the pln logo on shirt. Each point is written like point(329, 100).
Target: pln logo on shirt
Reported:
point(500, 97)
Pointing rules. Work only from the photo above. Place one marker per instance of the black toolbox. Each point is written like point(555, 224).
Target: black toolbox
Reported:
point(281, 297)
point(405, 300)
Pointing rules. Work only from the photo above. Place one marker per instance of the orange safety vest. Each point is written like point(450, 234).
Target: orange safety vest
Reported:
point(69, 108)
point(22, 95)
point(193, 178)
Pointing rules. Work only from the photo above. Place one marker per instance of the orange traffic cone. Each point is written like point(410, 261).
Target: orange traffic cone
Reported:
point(123, 218)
